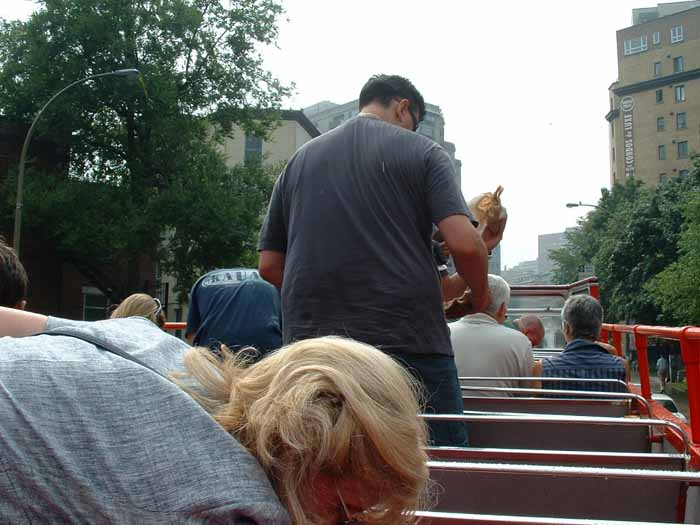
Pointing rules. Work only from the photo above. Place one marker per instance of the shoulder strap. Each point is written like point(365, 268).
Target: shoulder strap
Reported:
point(104, 345)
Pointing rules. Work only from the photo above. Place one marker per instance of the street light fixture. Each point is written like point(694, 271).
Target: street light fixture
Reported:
point(577, 204)
point(130, 74)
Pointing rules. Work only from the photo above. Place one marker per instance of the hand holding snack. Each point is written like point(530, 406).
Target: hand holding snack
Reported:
point(492, 216)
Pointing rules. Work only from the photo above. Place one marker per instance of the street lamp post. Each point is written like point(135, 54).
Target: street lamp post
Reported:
point(579, 203)
point(129, 73)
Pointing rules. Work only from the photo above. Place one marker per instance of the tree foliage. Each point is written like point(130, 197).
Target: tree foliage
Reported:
point(144, 163)
point(676, 287)
point(633, 240)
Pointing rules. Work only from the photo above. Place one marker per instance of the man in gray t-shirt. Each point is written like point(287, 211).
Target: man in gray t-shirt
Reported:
point(88, 436)
point(347, 238)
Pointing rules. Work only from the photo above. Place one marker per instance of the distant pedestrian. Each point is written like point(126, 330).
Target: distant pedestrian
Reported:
point(662, 372)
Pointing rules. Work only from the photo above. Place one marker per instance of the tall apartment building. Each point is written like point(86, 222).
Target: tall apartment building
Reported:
point(327, 115)
point(655, 103)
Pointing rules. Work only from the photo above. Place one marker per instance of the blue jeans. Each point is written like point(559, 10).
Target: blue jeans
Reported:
point(438, 375)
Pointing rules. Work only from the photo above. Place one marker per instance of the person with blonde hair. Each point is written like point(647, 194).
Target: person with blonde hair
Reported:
point(141, 305)
point(323, 431)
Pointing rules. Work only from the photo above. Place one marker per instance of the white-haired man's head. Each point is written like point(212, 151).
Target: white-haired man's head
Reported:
point(500, 296)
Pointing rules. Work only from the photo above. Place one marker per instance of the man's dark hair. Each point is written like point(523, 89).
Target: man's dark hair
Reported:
point(385, 88)
point(13, 277)
point(584, 315)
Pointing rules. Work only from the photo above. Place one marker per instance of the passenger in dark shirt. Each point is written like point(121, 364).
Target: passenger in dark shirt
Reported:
point(582, 319)
point(347, 238)
point(237, 308)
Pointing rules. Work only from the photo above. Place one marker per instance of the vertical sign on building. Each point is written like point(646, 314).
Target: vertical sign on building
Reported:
point(627, 106)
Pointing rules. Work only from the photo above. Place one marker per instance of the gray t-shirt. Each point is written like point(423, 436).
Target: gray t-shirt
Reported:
point(353, 213)
point(89, 437)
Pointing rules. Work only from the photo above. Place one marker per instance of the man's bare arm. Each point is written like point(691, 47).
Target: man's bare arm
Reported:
point(271, 267)
point(470, 257)
point(18, 323)
point(537, 372)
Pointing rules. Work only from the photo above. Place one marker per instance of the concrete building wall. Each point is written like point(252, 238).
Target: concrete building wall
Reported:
point(635, 111)
point(283, 141)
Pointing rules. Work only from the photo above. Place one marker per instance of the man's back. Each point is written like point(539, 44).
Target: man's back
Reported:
point(353, 212)
point(237, 308)
point(583, 358)
point(485, 348)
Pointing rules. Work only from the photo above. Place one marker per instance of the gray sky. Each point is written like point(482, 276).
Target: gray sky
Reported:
point(522, 86)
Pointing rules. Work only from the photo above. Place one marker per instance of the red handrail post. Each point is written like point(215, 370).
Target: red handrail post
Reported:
point(617, 342)
point(605, 336)
point(641, 342)
point(690, 351)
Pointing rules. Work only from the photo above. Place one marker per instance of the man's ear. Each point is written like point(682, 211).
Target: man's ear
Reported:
point(565, 328)
point(21, 305)
point(502, 311)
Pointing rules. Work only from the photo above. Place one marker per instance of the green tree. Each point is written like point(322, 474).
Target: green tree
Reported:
point(143, 158)
point(676, 287)
point(630, 238)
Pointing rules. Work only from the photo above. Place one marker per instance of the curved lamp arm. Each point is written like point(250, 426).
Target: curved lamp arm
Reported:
point(130, 73)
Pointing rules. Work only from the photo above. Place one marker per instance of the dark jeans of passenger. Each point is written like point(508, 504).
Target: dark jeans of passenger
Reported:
point(438, 375)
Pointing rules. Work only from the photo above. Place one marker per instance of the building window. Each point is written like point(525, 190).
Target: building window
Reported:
point(683, 149)
point(678, 65)
point(659, 96)
point(612, 130)
point(662, 152)
point(657, 69)
point(656, 38)
point(663, 178)
point(636, 45)
point(660, 124)
point(253, 148)
point(613, 154)
point(676, 34)
point(683, 174)
point(680, 93)
point(95, 304)
point(681, 122)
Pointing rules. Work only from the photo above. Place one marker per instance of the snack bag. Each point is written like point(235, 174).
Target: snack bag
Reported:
point(487, 209)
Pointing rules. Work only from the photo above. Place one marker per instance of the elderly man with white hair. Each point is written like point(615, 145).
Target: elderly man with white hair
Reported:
point(483, 346)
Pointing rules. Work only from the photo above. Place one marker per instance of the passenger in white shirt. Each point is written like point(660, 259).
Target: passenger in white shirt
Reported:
point(484, 347)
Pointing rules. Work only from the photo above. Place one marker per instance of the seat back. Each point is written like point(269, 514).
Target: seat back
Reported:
point(542, 405)
point(676, 462)
point(453, 518)
point(555, 435)
point(562, 492)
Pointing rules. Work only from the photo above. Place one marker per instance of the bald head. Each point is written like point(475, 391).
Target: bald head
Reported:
point(531, 326)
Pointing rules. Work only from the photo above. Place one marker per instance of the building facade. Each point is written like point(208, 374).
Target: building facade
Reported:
point(546, 243)
point(654, 117)
point(294, 130)
point(327, 115)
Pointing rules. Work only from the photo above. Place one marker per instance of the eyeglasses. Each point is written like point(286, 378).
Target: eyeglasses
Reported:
point(350, 520)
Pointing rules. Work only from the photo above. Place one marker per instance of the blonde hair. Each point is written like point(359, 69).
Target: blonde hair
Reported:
point(142, 305)
point(328, 406)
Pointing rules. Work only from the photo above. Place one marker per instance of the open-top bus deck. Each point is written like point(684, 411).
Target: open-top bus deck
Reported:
point(575, 458)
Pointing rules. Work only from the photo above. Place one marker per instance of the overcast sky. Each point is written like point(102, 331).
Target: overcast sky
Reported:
point(523, 87)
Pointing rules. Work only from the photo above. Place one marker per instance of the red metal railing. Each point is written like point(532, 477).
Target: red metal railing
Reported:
point(689, 337)
point(175, 326)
